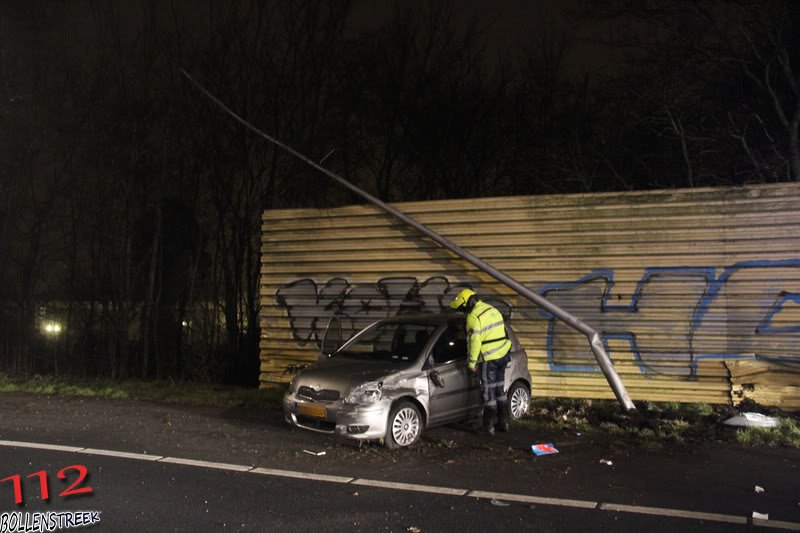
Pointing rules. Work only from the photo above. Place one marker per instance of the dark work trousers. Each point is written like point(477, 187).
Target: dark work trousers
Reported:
point(493, 377)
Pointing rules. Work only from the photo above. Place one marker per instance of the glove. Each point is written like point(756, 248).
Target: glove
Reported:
point(473, 372)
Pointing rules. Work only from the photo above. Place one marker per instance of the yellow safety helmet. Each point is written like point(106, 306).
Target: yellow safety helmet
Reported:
point(461, 298)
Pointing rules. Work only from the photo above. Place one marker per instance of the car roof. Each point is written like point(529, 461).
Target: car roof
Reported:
point(426, 318)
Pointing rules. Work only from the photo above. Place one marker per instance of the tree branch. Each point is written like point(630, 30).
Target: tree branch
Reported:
point(677, 127)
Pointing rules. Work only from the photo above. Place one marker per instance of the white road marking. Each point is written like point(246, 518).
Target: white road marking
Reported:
point(206, 464)
point(776, 524)
point(301, 475)
point(409, 486)
point(533, 499)
point(673, 512)
point(611, 507)
point(40, 446)
point(124, 455)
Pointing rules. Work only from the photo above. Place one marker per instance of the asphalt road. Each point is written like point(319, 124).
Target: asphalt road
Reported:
point(147, 496)
point(141, 495)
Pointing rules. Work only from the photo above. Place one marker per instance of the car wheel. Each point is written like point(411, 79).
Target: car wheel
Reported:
point(519, 399)
point(404, 426)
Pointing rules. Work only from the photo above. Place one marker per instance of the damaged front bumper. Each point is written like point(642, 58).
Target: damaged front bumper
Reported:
point(338, 418)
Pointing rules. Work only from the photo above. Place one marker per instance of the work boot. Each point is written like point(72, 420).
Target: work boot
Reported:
point(487, 428)
point(502, 421)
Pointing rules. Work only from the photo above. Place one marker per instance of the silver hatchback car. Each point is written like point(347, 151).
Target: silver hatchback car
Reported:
point(396, 377)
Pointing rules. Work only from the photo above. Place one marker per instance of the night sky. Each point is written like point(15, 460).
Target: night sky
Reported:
point(512, 25)
point(131, 204)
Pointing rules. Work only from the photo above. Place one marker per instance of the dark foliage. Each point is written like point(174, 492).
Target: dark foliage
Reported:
point(130, 206)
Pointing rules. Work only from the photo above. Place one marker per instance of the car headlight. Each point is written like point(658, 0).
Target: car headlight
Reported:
point(365, 394)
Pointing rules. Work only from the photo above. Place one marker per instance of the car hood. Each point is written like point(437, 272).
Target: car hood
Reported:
point(343, 374)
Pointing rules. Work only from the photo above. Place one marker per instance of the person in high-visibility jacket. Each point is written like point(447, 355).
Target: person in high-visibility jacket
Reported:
point(489, 348)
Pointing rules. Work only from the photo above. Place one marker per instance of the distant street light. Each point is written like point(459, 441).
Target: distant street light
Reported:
point(52, 328)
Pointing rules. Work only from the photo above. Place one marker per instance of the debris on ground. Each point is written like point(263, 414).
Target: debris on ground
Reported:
point(413, 529)
point(759, 490)
point(314, 453)
point(543, 449)
point(606, 462)
point(752, 420)
point(499, 503)
point(762, 516)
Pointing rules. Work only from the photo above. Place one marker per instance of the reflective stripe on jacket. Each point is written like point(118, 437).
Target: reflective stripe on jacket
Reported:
point(486, 334)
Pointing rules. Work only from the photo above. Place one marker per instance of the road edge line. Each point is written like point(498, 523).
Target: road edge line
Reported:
point(563, 502)
point(678, 513)
point(396, 485)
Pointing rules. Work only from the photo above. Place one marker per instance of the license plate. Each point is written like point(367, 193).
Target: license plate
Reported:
point(317, 411)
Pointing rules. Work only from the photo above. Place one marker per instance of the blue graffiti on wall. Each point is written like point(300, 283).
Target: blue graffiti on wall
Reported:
point(765, 326)
point(727, 316)
point(683, 314)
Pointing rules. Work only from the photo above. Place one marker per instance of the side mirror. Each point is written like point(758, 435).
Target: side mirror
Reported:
point(332, 340)
point(437, 379)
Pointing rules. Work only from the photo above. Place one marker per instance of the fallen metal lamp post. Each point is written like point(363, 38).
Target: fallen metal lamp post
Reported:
point(593, 336)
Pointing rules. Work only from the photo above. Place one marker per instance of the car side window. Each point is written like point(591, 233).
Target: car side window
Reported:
point(450, 346)
point(410, 340)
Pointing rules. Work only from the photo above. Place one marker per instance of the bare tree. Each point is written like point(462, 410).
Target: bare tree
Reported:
point(735, 65)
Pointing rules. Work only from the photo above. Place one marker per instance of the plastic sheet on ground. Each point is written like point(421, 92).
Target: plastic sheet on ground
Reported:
point(752, 420)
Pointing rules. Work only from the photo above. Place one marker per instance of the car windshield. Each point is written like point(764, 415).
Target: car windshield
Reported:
point(401, 342)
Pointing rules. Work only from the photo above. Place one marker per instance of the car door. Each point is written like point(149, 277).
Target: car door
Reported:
point(453, 390)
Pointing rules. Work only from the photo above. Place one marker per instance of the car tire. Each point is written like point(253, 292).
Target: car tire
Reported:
point(404, 425)
point(519, 400)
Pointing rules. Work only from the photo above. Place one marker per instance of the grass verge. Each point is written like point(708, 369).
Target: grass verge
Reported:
point(661, 423)
point(157, 391)
point(787, 434)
